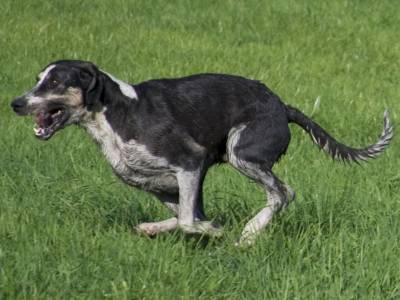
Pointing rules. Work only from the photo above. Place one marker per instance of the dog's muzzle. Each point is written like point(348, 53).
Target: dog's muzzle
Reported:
point(48, 118)
point(19, 105)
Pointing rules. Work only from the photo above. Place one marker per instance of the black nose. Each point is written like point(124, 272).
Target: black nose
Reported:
point(18, 104)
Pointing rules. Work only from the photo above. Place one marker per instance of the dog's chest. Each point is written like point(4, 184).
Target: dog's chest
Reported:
point(133, 163)
point(138, 167)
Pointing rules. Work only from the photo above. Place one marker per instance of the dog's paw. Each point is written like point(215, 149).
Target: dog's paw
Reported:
point(203, 227)
point(246, 241)
point(148, 229)
point(154, 228)
point(290, 193)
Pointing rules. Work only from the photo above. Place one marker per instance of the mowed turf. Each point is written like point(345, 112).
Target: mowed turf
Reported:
point(66, 222)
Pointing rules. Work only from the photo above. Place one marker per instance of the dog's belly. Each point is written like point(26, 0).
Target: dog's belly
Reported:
point(137, 167)
point(150, 180)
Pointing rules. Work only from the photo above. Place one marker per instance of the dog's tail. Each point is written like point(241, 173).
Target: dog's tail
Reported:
point(338, 150)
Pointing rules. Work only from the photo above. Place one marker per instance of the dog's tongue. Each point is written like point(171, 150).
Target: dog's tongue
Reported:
point(43, 119)
point(40, 119)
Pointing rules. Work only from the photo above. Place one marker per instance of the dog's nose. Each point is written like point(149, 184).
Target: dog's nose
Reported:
point(18, 104)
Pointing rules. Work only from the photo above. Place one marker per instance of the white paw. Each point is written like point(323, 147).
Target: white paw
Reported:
point(202, 227)
point(246, 241)
point(148, 229)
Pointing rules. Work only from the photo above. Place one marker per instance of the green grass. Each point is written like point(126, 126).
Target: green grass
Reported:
point(66, 221)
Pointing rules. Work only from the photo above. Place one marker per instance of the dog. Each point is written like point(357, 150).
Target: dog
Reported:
point(163, 135)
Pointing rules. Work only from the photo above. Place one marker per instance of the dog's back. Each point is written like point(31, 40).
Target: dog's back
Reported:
point(205, 106)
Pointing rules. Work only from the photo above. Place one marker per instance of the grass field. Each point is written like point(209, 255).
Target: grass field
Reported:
point(66, 221)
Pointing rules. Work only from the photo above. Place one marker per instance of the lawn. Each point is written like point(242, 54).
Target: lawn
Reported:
point(66, 222)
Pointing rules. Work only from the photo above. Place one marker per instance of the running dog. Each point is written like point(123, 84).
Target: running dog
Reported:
point(163, 135)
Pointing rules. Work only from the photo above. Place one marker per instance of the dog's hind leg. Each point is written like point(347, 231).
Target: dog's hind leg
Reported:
point(253, 149)
point(279, 195)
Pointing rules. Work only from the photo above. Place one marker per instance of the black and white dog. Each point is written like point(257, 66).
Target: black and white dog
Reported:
point(163, 135)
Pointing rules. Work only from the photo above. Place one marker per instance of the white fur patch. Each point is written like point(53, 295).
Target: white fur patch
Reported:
point(31, 98)
point(233, 139)
point(260, 221)
point(109, 141)
point(131, 160)
point(43, 75)
point(188, 188)
point(125, 88)
point(250, 169)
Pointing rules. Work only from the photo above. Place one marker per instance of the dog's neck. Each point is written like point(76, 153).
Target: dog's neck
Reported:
point(98, 126)
point(125, 89)
point(102, 132)
point(107, 122)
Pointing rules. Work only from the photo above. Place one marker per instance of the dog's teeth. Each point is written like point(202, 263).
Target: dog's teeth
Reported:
point(38, 131)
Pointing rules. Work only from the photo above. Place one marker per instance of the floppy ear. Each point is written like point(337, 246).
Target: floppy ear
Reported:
point(92, 81)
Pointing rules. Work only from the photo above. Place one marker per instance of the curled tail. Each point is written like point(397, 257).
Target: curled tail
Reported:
point(338, 150)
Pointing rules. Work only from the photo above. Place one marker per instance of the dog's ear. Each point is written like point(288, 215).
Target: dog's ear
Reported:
point(93, 83)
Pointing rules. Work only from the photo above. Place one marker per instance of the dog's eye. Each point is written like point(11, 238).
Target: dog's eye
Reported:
point(54, 82)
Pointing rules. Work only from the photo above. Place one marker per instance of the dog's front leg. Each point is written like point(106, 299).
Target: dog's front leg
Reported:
point(189, 190)
point(189, 184)
point(153, 228)
point(172, 202)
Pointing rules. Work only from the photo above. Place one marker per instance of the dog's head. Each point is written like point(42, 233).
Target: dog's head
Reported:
point(66, 92)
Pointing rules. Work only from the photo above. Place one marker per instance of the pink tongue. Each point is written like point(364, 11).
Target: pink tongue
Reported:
point(42, 121)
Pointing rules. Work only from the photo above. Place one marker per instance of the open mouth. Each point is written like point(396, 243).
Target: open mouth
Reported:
point(48, 122)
